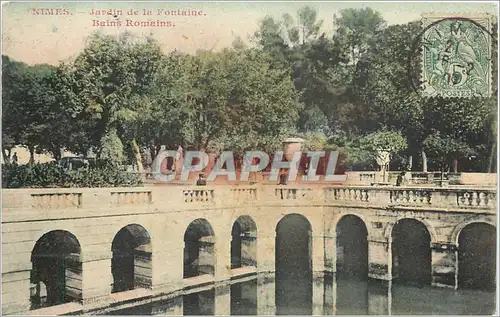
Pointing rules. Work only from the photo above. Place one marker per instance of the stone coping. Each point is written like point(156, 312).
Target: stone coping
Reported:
point(71, 190)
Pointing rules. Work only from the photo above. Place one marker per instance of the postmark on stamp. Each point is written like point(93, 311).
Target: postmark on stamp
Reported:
point(456, 56)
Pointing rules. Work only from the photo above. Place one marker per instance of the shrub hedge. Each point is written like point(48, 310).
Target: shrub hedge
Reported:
point(50, 175)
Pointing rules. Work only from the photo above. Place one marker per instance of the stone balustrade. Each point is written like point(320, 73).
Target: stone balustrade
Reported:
point(185, 197)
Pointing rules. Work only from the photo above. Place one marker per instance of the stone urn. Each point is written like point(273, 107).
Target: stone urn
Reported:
point(290, 146)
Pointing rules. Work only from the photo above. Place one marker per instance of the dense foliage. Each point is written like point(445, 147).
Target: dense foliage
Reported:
point(50, 175)
point(122, 98)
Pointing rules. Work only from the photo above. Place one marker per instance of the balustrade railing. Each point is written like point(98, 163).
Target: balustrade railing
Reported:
point(411, 197)
point(198, 195)
point(294, 194)
point(131, 198)
point(56, 200)
point(476, 198)
point(178, 197)
point(348, 194)
point(244, 194)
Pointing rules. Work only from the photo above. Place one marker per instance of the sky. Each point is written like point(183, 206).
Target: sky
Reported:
point(35, 38)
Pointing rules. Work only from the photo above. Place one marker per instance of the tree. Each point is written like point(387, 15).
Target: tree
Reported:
point(228, 100)
point(270, 38)
point(356, 29)
point(109, 81)
point(377, 143)
point(444, 148)
point(27, 107)
point(12, 90)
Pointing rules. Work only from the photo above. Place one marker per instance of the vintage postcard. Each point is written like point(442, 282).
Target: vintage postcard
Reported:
point(249, 158)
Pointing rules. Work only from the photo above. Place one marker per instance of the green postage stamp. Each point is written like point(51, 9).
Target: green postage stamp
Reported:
point(456, 56)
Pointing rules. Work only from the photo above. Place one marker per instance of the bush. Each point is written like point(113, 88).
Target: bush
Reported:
point(49, 175)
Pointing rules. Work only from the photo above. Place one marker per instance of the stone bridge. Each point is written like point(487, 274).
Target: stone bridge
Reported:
point(95, 247)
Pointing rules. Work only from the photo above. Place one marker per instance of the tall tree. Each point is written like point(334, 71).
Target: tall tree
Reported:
point(27, 107)
point(228, 100)
point(109, 81)
point(356, 29)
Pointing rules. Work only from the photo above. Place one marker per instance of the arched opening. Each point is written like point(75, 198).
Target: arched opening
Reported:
point(293, 266)
point(131, 264)
point(352, 248)
point(477, 256)
point(56, 274)
point(243, 243)
point(411, 252)
point(199, 249)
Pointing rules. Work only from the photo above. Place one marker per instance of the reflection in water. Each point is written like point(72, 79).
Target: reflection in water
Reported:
point(244, 298)
point(201, 303)
point(343, 296)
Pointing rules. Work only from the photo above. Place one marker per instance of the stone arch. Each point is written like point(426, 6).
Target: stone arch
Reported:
point(411, 251)
point(430, 228)
point(477, 247)
point(458, 228)
point(56, 274)
point(352, 246)
point(285, 214)
point(199, 248)
point(243, 242)
point(332, 226)
point(293, 260)
point(131, 262)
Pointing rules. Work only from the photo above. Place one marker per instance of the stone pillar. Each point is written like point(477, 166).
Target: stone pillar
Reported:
point(318, 273)
point(222, 258)
point(444, 265)
point(330, 249)
point(266, 294)
point(266, 249)
point(330, 300)
point(379, 259)
point(222, 304)
point(15, 292)
point(168, 267)
point(379, 297)
point(96, 278)
point(318, 294)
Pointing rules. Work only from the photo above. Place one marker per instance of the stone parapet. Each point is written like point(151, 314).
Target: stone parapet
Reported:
point(25, 204)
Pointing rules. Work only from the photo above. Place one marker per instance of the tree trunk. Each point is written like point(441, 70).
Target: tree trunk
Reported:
point(490, 159)
point(202, 161)
point(152, 152)
point(424, 161)
point(32, 154)
point(410, 162)
point(137, 154)
point(56, 153)
point(455, 165)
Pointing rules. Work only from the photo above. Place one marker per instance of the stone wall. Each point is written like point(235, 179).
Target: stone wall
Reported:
point(95, 216)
